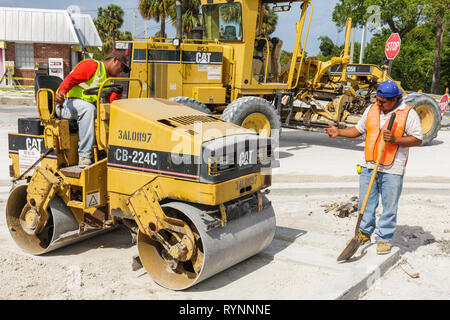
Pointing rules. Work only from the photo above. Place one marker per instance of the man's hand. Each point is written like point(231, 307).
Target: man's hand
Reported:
point(60, 98)
point(117, 90)
point(389, 136)
point(332, 131)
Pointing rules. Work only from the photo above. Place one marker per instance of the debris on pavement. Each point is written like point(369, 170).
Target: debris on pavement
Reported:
point(136, 263)
point(408, 269)
point(344, 209)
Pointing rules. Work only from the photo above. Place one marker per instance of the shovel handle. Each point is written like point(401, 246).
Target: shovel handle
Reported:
point(372, 178)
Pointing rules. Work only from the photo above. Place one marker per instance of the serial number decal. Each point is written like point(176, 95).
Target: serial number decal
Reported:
point(245, 182)
point(150, 161)
point(136, 157)
point(134, 136)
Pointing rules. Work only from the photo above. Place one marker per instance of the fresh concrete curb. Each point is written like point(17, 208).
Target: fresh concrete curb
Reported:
point(352, 284)
point(349, 279)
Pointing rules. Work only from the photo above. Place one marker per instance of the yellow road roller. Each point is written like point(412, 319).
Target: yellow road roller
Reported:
point(190, 187)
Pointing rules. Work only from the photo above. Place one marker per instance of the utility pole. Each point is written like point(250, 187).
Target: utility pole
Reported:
point(146, 28)
point(134, 23)
point(363, 44)
point(352, 47)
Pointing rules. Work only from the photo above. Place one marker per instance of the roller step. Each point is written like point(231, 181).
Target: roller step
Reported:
point(72, 172)
point(75, 204)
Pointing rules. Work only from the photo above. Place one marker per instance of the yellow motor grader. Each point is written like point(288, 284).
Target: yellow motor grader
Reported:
point(188, 185)
point(231, 70)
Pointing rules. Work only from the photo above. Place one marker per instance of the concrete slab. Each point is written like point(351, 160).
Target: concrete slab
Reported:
point(319, 251)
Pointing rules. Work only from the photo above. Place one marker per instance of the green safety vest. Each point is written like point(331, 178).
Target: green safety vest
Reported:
point(95, 81)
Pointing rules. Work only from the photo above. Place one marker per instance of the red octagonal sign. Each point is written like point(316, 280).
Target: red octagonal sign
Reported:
point(443, 103)
point(393, 46)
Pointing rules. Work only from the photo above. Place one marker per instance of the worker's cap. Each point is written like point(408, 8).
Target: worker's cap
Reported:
point(121, 57)
point(388, 89)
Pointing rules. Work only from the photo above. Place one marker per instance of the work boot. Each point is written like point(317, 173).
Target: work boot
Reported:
point(362, 237)
point(83, 162)
point(384, 247)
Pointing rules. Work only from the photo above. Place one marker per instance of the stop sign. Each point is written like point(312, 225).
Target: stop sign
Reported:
point(392, 46)
point(443, 103)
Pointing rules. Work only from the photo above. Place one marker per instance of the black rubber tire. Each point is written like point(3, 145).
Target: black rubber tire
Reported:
point(417, 99)
point(192, 103)
point(241, 108)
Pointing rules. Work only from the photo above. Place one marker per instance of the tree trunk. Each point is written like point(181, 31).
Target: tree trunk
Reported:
point(436, 83)
point(163, 26)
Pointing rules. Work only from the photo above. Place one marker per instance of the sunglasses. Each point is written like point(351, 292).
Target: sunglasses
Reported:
point(382, 102)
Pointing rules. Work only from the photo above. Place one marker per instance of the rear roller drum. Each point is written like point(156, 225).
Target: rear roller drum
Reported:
point(215, 250)
point(60, 230)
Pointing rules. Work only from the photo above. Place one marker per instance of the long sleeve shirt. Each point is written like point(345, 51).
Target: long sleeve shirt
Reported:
point(84, 71)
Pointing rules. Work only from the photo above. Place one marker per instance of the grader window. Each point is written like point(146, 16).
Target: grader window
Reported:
point(223, 21)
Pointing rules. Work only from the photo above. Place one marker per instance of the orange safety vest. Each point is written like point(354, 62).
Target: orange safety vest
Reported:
point(374, 136)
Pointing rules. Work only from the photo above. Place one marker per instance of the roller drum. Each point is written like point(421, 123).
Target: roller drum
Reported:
point(62, 228)
point(222, 247)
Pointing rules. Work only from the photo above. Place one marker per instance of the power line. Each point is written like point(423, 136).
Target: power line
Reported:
point(97, 9)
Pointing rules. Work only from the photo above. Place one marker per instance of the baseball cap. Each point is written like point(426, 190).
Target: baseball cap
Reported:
point(121, 57)
point(388, 89)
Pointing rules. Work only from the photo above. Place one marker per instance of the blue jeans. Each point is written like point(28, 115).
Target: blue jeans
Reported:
point(389, 186)
point(85, 113)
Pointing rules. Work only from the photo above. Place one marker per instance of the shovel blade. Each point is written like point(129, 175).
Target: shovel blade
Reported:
point(350, 250)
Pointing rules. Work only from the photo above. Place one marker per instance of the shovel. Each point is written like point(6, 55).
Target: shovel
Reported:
point(354, 244)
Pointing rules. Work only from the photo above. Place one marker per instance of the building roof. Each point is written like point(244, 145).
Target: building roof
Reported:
point(47, 26)
point(86, 31)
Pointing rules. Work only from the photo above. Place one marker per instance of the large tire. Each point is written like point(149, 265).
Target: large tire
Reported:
point(253, 113)
point(429, 113)
point(192, 103)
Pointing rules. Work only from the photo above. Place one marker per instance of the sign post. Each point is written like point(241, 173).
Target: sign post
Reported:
point(443, 103)
point(392, 48)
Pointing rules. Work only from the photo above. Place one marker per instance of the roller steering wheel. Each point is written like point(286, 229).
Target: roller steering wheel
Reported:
point(111, 88)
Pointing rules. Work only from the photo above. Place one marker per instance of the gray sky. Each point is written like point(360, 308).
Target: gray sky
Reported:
point(321, 21)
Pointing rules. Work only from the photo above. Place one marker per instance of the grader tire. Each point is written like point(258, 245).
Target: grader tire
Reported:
point(429, 113)
point(192, 103)
point(253, 113)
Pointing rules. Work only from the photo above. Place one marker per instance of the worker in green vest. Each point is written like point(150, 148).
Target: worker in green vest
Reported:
point(81, 107)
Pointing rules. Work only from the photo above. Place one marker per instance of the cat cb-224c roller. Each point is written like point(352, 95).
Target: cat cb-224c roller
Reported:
point(190, 186)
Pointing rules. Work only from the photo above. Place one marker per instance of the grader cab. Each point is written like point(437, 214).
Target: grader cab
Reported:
point(189, 186)
point(231, 70)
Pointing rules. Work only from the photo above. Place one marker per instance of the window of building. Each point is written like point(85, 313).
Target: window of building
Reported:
point(24, 56)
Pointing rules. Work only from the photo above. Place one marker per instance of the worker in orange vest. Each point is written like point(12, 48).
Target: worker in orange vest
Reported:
point(406, 132)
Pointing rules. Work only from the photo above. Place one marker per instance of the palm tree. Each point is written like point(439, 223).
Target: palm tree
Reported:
point(438, 11)
point(190, 15)
point(269, 21)
point(109, 21)
point(230, 13)
point(156, 10)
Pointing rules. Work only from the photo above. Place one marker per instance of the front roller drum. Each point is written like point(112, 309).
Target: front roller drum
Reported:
point(216, 249)
point(61, 229)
